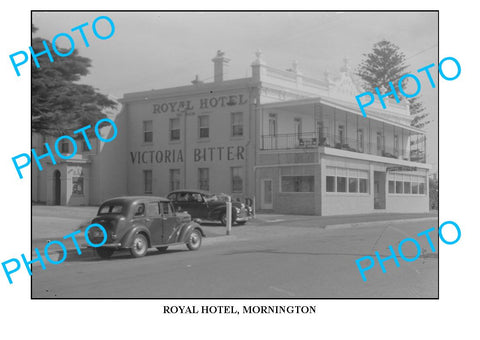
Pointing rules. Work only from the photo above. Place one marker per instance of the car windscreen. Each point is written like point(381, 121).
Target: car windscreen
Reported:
point(211, 198)
point(111, 208)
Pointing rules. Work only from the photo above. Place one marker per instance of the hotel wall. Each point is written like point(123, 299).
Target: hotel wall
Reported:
point(109, 164)
point(334, 203)
point(299, 203)
point(219, 137)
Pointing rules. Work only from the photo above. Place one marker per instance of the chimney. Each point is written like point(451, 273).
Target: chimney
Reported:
point(218, 63)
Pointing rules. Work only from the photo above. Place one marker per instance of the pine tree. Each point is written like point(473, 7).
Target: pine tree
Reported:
point(387, 63)
point(59, 104)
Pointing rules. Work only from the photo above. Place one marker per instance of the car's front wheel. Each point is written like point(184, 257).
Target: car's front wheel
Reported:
point(223, 218)
point(104, 253)
point(194, 240)
point(139, 246)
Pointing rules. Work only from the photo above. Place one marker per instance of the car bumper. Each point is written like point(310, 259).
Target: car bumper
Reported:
point(109, 245)
point(243, 218)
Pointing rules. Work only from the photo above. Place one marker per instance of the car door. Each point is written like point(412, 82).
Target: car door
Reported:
point(180, 200)
point(155, 222)
point(170, 223)
point(199, 206)
point(188, 201)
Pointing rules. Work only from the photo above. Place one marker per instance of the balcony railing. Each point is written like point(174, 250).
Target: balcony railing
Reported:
point(314, 140)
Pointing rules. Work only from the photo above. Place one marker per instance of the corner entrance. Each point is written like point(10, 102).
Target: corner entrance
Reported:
point(266, 194)
point(57, 187)
point(379, 196)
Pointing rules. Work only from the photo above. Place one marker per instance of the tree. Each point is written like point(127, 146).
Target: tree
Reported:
point(59, 104)
point(387, 63)
point(433, 192)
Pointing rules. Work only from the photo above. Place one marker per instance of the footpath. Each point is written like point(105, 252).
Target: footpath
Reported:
point(53, 223)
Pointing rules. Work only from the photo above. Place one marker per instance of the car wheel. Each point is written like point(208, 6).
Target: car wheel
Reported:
point(223, 219)
point(194, 240)
point(139, 246)
point(162, 249)
point(104, 253)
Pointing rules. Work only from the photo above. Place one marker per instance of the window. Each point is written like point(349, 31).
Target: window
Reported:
point(237, 124)
point(395, 145)
point(110, 209)
point(272, 124)
point(147, 180)
point(352, 184)
point(398, 187)
point(166, 209)
point(203, 127)
point(147, 131)
point(237, 179)
point(152, 209)
point(341, 184)
point(77, 183)
point(297, 183)
point(406, 184)
point(330, 183)
point(64, 148)
point(346, 180)
point(174, 179)
point(391, 187)
point(341, 134)
point(298, 127)
point(421, 188)
point(174, 128)
point(320, 130)
point(360, 137)
point(414, 188)
point(140, 210)
point(203, 179)
point(363, 185)
point(379, 143)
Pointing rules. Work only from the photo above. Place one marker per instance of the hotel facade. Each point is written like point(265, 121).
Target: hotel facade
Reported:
point(295, 144)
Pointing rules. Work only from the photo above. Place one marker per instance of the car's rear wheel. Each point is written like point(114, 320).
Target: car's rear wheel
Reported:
point(104, 253)
point(194, 240)
point(162, 249)
point(139, 246)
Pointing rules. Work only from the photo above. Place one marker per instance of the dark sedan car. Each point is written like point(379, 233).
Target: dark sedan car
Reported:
point(139, 223)
point(207, 206)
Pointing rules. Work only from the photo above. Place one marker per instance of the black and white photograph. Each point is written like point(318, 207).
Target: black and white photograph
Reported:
point(234, 154)
point(238, 170)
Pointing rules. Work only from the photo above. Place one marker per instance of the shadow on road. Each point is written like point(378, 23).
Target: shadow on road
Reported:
point(282, 252)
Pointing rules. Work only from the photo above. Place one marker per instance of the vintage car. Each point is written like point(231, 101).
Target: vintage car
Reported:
point(205, 206)
point(138, 223)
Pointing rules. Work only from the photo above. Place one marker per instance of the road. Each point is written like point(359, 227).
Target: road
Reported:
point(257, 261)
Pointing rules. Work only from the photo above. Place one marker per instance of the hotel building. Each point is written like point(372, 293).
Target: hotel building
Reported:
point(298, 145)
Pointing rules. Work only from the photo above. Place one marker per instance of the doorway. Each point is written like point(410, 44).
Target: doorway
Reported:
point(379, 196)
point(57, 187)
point(266, 194)
point(272, 130)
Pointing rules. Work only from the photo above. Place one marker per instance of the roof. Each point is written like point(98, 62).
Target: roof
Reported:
point(195, 191)
point(132, 199)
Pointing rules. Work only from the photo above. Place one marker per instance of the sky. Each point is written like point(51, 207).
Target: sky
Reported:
point(154, 50)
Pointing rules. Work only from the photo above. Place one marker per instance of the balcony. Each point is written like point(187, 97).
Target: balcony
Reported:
point(413, 151)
